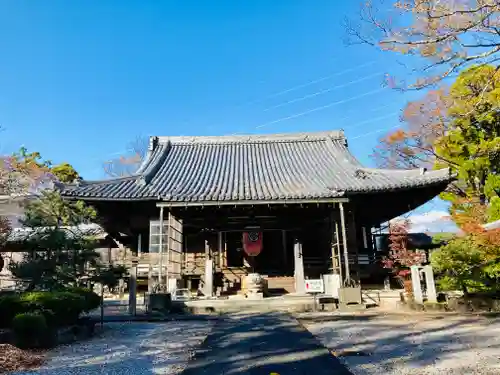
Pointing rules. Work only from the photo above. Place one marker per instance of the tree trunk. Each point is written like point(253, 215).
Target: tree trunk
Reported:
point(465, 291)
point(408, 287)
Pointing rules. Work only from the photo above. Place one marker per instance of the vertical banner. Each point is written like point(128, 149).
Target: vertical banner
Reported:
point(252, 243)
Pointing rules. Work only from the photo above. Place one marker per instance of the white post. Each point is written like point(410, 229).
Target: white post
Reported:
point(132, 290)
point(298, 267)
point(209, 282)
point(150, 277)
point(160, 250)
point(387, 283)
point(415, 282)
point(429, 284)
point(169, 234)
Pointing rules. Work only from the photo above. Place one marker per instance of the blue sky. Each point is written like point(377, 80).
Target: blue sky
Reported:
point(80, 79)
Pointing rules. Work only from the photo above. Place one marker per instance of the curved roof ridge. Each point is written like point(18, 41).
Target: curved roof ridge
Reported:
point(413, 171)
point(103, 181)
point(255, 138)
point(154, 160)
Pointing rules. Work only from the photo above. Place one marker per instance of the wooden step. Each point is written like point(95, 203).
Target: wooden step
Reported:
point(285, 284)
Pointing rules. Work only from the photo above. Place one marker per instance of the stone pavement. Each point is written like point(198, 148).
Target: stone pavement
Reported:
point(262, 344)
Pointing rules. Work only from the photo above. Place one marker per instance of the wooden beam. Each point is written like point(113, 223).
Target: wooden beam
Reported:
point(251, 203)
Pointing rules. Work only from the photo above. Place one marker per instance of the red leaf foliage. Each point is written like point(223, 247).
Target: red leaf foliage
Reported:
point(400, 258)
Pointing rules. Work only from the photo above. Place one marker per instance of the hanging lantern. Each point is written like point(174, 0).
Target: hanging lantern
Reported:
point(252, 243)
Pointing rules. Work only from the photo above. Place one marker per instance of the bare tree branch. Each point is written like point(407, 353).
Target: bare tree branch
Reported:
point(450, 34)
point(128, 163)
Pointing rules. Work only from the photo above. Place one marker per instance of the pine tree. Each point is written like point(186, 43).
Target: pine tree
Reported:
point(59, 247)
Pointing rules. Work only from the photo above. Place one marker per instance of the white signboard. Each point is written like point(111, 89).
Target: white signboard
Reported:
point(314, 286)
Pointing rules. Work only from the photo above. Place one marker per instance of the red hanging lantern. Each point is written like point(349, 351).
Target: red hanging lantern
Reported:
point(252, 243)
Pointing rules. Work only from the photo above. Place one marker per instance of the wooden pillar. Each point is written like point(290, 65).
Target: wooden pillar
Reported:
point(354, 239)
point(347, 279)
point(220, 245)
point(285, 255)
point(224, 261)
point(139, 245)
point(298, 267)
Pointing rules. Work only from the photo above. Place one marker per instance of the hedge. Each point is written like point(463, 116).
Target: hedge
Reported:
point(30, 330)
point(66, 306)
point(58, 308)
point(10, 306)
point(92, 299)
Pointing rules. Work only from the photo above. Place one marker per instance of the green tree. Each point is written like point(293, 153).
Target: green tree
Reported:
point(65, 173)
point(23, 157)
point(471, 144)
point(456, 127)
point(470, 264)
point(60, 249)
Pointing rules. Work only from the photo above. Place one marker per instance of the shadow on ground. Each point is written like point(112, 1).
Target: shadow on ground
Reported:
point(412, 344)
point(260, 344)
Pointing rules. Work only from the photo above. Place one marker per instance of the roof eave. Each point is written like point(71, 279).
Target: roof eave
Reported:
point(253, 202)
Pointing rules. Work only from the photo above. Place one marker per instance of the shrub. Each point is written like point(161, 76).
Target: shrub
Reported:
point(10, 306)
point(49, 315)
point(49, 338)
point(92, 299)
point(29, 330)
point(66, 306)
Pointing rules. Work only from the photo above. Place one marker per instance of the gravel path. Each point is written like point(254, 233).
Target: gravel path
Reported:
point(262, 344)
point(131, 349)
point(412, 344)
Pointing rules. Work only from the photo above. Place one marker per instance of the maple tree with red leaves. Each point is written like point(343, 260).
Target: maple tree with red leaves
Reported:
point(400, 257)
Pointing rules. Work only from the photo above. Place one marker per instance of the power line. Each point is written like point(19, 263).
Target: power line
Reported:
point(294, 88)
point(375, 132)
point(323, 91)
point(320, 108)
point(368, 110)
point(397, 126)
point(324, 78)
point(302, 85)
point(372, 120)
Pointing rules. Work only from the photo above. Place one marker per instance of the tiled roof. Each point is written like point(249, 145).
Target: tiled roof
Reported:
point(23, 234)
point(303, 166)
